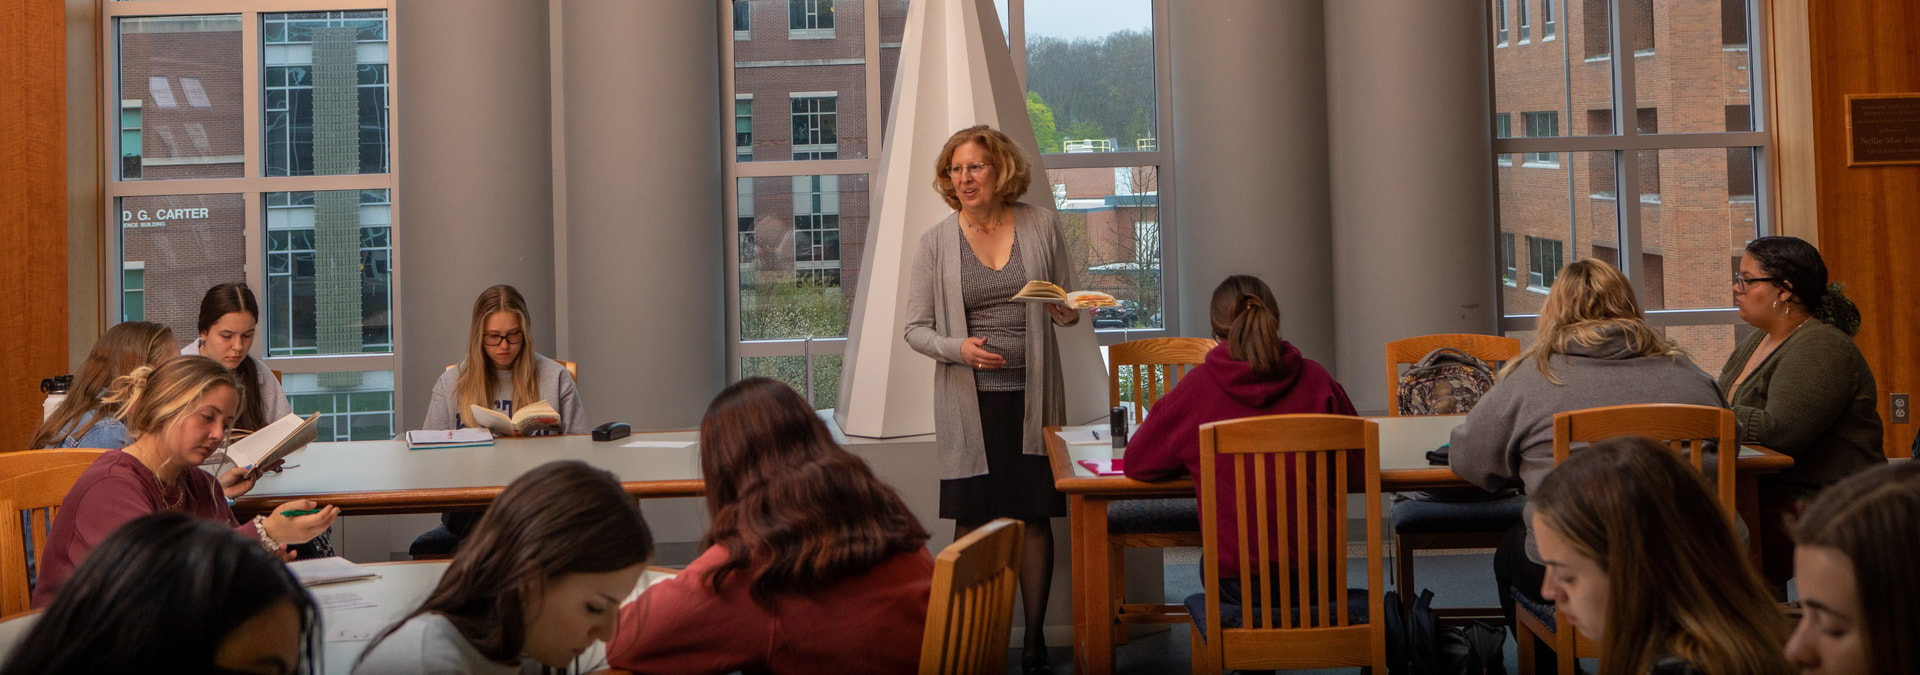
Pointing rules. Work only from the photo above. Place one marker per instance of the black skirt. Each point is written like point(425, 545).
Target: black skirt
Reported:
point(1016, 485)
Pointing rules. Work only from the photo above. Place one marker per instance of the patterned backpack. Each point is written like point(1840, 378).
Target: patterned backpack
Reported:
point(1446, 381)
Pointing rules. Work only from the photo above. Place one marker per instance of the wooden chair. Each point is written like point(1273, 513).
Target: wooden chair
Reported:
point(971, 610)
point(573, 369)
point(1422, 525)
point(32, 484)
point(1151, 367)
point(1314, 620)
point(1686, 429)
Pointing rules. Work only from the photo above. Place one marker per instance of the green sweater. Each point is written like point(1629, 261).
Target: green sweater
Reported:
point(1813, 399)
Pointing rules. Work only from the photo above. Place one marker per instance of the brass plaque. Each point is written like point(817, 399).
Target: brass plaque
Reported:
point(1883, 129)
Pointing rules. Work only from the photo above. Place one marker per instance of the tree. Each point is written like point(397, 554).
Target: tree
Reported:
point(1085, 129)
point(1042, 118)
point(1108, 81)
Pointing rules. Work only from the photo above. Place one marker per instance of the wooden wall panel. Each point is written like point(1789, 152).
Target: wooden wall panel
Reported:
point(1870, 216)
point(33, 209)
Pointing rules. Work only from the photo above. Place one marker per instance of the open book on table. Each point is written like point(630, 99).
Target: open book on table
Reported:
point(529, 419)
point(273, 442)
point(1043, 291)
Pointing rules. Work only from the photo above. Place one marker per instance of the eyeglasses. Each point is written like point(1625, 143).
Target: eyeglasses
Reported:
point(974, 169)
point(1740, 281)
point(512, 338)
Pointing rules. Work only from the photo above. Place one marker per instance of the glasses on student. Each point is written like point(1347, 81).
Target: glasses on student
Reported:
point(512, 338)
point(974, 169)
point(1740, 281)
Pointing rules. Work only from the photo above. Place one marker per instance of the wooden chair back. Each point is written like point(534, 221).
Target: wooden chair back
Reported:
point(971, 610)
point(1685, 429)
point(32, 485)
point(1493, 349)
point(1151, 367)
point(1291, 476)
point(573, 369)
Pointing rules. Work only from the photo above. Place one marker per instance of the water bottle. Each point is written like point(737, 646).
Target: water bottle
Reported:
point(1117, 425)
point(56, 390)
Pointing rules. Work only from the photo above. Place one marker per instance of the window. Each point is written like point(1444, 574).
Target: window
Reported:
point(1509, 270)
point(1526, 20)
point(743, 225)
point(1500, 22)
point(301, 211)
point(816, 223)
point(1544, 261)
point(1547, 21)
point(810, 19)
point(743, 127)
point(1542, 124)
point(1503, 128)
point(1733, 24)
point(815, 126)
point(741, 16)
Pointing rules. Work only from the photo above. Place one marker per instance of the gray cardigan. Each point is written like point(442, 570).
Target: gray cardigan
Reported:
point(556, 388)
point(937, 326)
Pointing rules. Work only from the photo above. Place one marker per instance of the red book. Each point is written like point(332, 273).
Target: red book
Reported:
point(1103, 467)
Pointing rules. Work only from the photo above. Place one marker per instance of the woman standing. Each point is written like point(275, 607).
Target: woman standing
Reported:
point(229, 315)
point(812, 564)
point(86, 421)
point(1798, 385)
point(997, 377)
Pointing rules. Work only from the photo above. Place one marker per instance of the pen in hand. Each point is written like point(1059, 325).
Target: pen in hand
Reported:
point(295, 513)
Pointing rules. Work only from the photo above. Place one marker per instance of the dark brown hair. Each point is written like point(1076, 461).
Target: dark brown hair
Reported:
point(1870, 517)
point(1011, 171)
point(220, 301)
point(794, 510)
point(1801, 271)
point(1246, 316)
point(1678, 580)
point(561, 518)
point(123, 348)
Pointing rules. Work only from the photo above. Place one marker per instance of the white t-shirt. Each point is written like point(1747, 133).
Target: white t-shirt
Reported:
point(429, 645)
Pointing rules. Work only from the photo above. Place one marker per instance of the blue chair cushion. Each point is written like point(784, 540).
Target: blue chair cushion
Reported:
point(1413, 516)
point(437, 541)
point(1137, 516)
point(1540, 610)
point(1230, 615)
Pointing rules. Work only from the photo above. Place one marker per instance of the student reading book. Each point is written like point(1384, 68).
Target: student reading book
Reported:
point(502, 372)
point(273, 442)
point(1044, 291)
point(536, 419)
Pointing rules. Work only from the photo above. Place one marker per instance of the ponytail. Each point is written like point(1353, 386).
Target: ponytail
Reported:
point(1837, 309)
point(1245, 314)
point(127, 390)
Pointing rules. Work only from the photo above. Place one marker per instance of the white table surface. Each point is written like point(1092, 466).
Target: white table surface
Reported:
point(1404, 442)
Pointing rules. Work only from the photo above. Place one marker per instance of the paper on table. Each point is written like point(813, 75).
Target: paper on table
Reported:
point(652, 576)
point(340, 599)
point(656, 444)
point(356, 629)
point(318, 571)
point(1084, 436)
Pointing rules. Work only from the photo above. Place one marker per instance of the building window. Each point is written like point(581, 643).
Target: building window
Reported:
point(815, 126)
point(816, 223)
point(1539, 125)
point(130, 139)
point(1526, 20)
point(133, 291)
point(749, 250)
point(743, 127)
point(1503, 128)
point(1544, 261)
point(329, 273)
point(1500, 22)
point(741, 24)
point(1509, 271)
point(1547, 24)
point(810, 19)
point(329, 69)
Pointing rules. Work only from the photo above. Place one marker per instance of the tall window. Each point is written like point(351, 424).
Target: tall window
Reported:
point(743, 127)
point(1663, 179)
point(816, 228)
point(1509, 267)
point(303, 216)
point(742, 21)
point(1500, 22)
point(1526, 19)
point(1547, 24)
point(1503, 128)
point(810, 19)
point(816, 123)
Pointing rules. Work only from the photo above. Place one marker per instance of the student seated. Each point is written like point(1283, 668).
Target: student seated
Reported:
point(501, 369)
point(177, 415)
point(542, 578)
point(1853, 567)
point(1592, 348)
point(813, 565)
point(1252, 372)
point(84, 420)
point(1640, 558)
point(170, 593)
point(229, 316)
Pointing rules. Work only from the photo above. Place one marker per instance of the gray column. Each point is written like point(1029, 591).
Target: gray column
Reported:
point(641, 145)
point(1412, 178)
point(476, 200)
point(1250, 120)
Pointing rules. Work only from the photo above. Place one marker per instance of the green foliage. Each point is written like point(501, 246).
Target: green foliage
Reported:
point(1085, 129)
point(1043, 127)
point(788, 307)
point(1108, 82)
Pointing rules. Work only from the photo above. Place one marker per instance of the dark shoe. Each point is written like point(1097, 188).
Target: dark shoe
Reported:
point(1035, 664)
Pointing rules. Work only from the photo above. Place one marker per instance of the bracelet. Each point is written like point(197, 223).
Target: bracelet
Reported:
point(266, 540)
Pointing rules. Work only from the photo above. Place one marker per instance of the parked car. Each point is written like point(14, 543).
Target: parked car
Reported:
point(1121, 315)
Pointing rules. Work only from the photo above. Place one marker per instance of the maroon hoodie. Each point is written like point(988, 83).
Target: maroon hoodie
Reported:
point(1167, 444)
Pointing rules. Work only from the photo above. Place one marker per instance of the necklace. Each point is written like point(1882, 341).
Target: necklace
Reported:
point(173, 497)
point(982, 229)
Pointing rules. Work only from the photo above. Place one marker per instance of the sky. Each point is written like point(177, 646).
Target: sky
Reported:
point(1083, 18)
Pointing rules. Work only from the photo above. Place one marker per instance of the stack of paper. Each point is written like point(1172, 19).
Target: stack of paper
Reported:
point(422, 439)
point(327, 570)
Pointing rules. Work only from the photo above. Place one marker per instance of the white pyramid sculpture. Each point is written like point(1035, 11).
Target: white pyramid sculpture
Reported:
point(955, 72)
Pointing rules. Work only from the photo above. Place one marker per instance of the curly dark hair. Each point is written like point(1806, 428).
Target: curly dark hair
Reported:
point(1801, 271)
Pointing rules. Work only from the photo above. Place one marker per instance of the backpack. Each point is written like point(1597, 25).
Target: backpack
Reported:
point(1446, 381)
point(1418, 645)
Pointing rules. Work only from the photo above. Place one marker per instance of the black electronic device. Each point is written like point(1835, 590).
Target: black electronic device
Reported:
point(1117, 425)
point(611, 431)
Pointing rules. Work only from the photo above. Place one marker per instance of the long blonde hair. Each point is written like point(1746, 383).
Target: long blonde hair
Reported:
point(1589, 302)
point(123, 348)
point(474, 385)
point(152, 398)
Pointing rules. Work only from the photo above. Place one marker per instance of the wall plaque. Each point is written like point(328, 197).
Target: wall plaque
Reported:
point(1883, 129)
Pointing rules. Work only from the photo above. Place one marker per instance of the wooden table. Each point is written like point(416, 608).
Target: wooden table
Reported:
point(399, 589)
point(1404, 442)
point(381, 477)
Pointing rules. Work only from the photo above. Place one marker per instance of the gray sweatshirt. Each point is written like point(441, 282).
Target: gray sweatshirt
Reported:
point(556, 388)
point(1507, 441)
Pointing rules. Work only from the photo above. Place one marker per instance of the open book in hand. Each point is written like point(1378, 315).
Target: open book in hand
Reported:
point(528, 420)
point(1043, 291)
point(273, 442)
